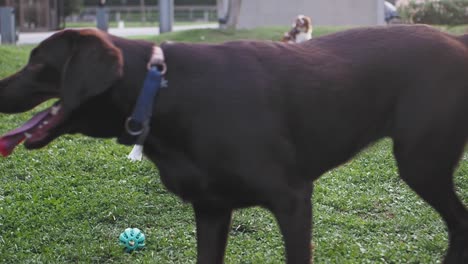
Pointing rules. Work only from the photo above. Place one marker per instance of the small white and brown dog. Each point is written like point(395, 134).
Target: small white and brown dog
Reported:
point(301, 30)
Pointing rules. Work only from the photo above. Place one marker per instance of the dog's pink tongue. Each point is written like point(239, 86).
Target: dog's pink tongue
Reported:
point(8, 143)
point(10, 140)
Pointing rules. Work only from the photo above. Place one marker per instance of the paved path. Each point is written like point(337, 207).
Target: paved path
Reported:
point(34, 38)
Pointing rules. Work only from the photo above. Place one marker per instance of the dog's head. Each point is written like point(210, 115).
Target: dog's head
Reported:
point(303, 24)
point(76, 66)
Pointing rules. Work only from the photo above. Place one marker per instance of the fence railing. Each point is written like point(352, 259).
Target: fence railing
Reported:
point(135, 13)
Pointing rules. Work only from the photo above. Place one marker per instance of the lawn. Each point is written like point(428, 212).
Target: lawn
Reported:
point(69, 201)
point(113, 24)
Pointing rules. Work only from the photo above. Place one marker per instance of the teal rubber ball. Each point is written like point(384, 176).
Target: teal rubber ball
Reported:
point(132, 239)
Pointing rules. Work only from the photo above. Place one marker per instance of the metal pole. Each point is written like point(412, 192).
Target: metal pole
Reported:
point(143, 11)
point(7, 25)
point(223, 8)
point(166, 15)
point(380, 12)
point(102, 16)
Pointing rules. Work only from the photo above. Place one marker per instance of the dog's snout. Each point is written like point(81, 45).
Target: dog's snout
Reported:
point(17, 93)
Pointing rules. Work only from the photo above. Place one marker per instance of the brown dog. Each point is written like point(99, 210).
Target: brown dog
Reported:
point(255, 123)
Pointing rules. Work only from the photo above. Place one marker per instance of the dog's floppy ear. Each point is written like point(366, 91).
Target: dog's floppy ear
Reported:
point(93, 66)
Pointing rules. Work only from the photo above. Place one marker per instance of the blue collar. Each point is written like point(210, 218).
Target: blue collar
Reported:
point(137, 125)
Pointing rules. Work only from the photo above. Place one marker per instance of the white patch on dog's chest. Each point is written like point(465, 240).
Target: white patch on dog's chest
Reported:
point(303, 36)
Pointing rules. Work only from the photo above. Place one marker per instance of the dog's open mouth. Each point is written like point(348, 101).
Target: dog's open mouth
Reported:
point(34, 132)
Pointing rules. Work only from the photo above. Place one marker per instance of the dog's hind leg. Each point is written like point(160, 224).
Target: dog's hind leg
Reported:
point(212, 232)
point(428, 167)
point(293, 211)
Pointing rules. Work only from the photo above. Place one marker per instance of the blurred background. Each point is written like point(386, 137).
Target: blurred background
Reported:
point(45, 15)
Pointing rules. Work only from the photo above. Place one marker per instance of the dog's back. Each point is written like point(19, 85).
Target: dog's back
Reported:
point(371, 82)
point(378, 78)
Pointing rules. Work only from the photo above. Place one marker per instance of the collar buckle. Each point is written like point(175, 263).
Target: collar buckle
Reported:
point(133, 127)
point(157, 60)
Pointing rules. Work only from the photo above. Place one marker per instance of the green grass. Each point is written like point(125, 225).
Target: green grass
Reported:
point(460, 29)
point(271, 33)
point(131, 24)
point(12, 58)
point(217, 36)
point(68, 202)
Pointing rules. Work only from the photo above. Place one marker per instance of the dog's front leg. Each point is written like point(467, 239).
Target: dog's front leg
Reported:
point(293, 211)
point(212, 232)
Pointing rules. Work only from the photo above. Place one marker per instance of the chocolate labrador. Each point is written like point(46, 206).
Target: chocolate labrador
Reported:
point(250, 123)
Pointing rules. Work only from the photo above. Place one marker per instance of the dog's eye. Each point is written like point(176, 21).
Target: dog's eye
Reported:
point(34, 57)
point(35, 67)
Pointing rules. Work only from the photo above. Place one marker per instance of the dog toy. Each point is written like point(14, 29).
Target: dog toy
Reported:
point(132, 239)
